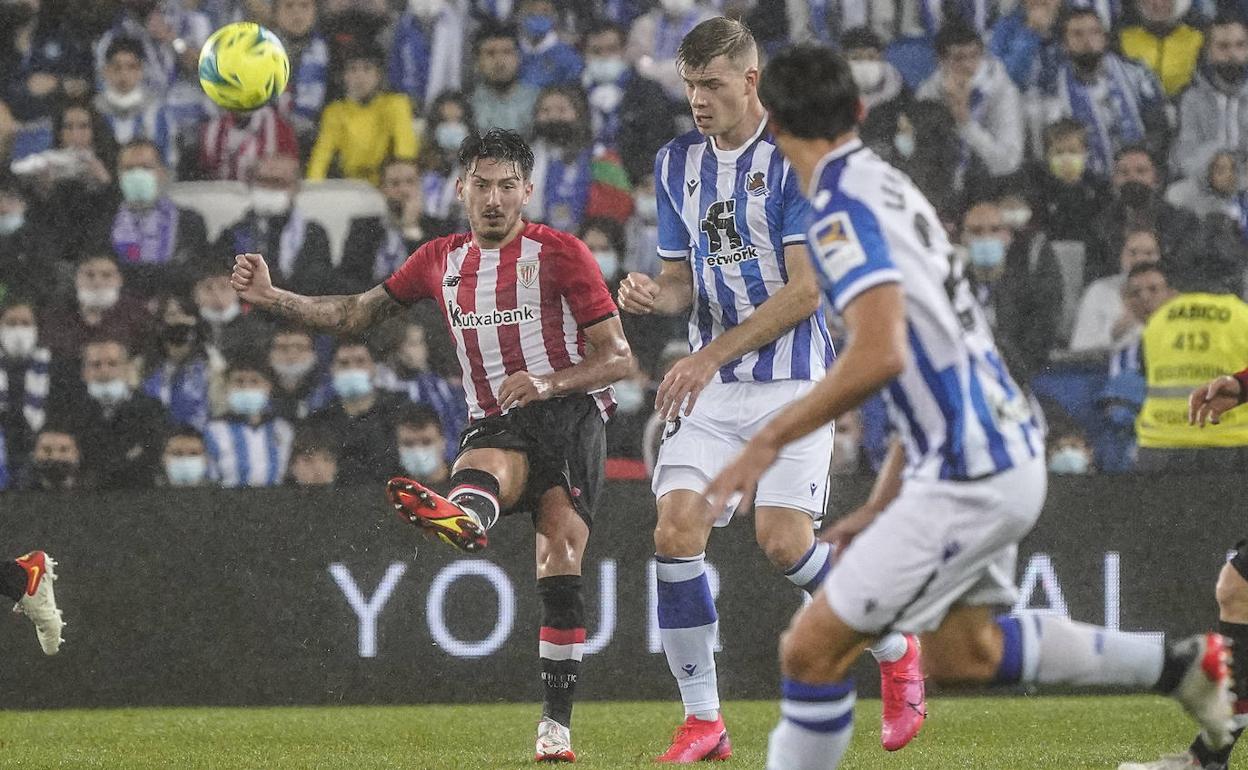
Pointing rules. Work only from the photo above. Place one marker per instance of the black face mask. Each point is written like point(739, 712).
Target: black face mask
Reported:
point(1135, 194)
point(177, 335)
point(1230, 72)
point(559, 133)
point(54, 473)
point(1087, 61)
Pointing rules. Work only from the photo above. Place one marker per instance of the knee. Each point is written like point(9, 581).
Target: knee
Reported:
point(680, 530)
point(808, 660)
point(783, 546)
point(1232, 595)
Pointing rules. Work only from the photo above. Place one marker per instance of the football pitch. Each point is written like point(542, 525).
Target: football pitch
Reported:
point(1017, 733)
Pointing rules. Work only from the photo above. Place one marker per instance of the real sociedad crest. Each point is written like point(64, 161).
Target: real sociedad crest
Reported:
point(756, 184)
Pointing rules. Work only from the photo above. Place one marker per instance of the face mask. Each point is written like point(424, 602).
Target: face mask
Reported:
point(268, 202)
point(353, 383)
point(677, 7)
point(1016, 219)
point(868, 74)
point(109, 392)
point(178, 335)
point(605, 69)
point(54, 473)
point(140, 186)
point(537, 27)
point(629, 396)
point(450, 135)
point(606, 97)
point(18, 341)
point(248, 402)
point(218, 317)
point(1135, 194)
point(292, 372)
point(186, 471)
point(420, 460)
point(608, 263)
point(648, 208)
point(1087, 61)
point(1231, 72)
point(904, 143)
point(124, 102)
point(986, 252)
point(98, 299)
point(425, 10)
point(1069, 461)
point(1068, 166)
point(12, 222)
point(558, 132)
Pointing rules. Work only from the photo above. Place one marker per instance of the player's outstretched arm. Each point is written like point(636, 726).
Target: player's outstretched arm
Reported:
point(1210, 401)
point(608, 359)
point(669, 293)
point(343, 314)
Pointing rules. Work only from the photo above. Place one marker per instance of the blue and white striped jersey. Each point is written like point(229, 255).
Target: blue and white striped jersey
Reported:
point(245, 455)
point(957, 411)
point(731, 213)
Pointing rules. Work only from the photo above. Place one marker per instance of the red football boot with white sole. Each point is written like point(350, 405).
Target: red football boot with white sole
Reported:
point(903, 695)
point(417, 504)
point(697, 740)
point(38, 602)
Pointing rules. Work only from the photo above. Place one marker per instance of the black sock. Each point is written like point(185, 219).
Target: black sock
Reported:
point(562, 638)
point(477, 491)
point(12, 580)
point(1238, 634)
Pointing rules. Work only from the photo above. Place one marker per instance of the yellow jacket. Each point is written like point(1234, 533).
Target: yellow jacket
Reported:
point(1172, 58)
point(1190, 340)
point(361, 136)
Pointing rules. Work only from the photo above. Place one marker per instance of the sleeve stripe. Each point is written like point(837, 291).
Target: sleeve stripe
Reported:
point(674, 253)
point(794, 238)
point(597, 321)
point(868, 281)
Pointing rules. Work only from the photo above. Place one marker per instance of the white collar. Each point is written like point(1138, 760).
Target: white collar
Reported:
point(832, 156)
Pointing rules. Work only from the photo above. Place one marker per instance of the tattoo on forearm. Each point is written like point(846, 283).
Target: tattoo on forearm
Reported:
point(341, 314)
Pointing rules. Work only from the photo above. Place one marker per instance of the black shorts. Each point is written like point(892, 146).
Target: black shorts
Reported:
point(1239, 559)
point(565, 442)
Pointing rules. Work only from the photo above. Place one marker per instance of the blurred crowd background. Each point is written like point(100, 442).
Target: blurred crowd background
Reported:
point(1088, 158)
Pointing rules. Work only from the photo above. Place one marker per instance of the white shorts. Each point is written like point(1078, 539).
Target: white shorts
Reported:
point(697, 447)
point(939, 543)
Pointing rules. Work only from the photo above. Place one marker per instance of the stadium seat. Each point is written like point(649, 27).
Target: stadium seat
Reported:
point(219, 203)
point(1070, 259)
point(335, 202)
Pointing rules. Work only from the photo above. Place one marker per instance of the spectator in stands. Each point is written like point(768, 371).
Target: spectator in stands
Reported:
point(185, 459)
point(275, 226)
point(1103, 318)
point(1204, 329)
point(1214, 191)
point(1163, 43)
point(446, 127)
point(294, 21)
point(360, 415)
point(170, 38)
point(605, 240)
point(41, 61)
point(1069, 453)
point(1147, 288)
point(27, 387)
point(314, 459)
point(228, 329)
point(101, 310)
point(500, 99)
point(1213, 112)
point(977, 90)
point(1018, 284)
point(426, 57)
point(130, 110)
point(655, 36)
point(928, 148)
point(153, 237)
point(377, 246)
point(232, 142)
point(421, 446)
point(360, 130)
point(299, 387)
point(641, 234)
point(119, 429)
point(248, 447)
point(847, 445)
point(407, 370)
point(1070, 196)
point(1118, 100)
point(180, 368)
point(27, 269)
point(1026, 42)
point(884, 93)
point(545, 60)
point(55, 463)
point(353, 24)
point(630, 114)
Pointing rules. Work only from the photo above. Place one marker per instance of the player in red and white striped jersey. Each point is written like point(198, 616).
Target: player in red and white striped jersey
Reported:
point(539, 341)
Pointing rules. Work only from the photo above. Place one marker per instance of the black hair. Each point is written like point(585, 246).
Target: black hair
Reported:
point(395, 160)
point(140, 142)
point(102, 139)
point(1147, 267)
point(182, 430)
point(494, 30)
point(1063, 127)
point(720, 36)
point(417, 416)
point(809, 91)
point(498, 144)
point(608, 227)
point(250, 363)
point(354, 342)
point(1134, 148)
point(600, 26)
point(1225, 19)
point(365, 51)
point(1072, 12)
point(311, 439)
point(125, 45)
point(861, 37)
point(956, 31)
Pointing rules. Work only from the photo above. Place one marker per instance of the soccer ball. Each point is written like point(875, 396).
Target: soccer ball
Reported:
point(243, 66)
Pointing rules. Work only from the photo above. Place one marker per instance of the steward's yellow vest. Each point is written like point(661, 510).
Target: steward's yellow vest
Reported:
point(1190, 340)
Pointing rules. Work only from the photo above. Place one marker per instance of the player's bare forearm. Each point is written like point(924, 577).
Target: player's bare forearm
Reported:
point(675, 282)
point(608, 359)
point(339, 314)
point(888, 481)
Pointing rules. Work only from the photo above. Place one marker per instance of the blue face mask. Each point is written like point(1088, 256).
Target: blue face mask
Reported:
point(538, 26)
point(1069, 461)
point(450, 135)
point(420, 461)
point(604, 69)
point(986, 252)
point(905, 145)
point(11, 222)
point(247, 402)
point(353, 383)
point(630, 397)
point(186, 471)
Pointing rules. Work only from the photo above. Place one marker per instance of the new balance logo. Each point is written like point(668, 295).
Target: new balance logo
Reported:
point(692, 184)
point(467, 320)
point(450, 280)
point(689, 668)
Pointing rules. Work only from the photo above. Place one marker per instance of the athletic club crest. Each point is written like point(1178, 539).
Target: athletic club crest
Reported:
point(526, 273)
point(756, 184)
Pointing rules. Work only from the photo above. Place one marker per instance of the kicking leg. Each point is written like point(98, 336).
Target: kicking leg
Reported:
point(28, 580)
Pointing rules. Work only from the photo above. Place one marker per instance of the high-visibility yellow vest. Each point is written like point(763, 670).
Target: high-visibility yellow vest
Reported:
point(1190, 340)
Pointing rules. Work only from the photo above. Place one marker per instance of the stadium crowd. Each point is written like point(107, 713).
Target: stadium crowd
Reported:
point(1087, 157)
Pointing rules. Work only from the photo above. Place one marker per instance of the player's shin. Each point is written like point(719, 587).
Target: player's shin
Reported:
point(816, 723)
point(688, 626)
point(561, 644)
point(1050, 649)
point(476, 491)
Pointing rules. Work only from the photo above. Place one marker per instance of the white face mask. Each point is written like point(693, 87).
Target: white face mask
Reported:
point(647, 208)
point(604, 69)
point(630, 397)
point(268, 202)
point(98, 300)
point(868, 74)
point(124, 102)
point(218, 317)
point(606, 97)
point(420, 460)
point(294, 371)
point(109, 392)
point(608, 262)
point(186, 471)
point(18, 341)
point(677, 7)
point(426, 10)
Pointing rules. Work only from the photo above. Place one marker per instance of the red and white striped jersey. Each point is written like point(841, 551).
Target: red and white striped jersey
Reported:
point(523, 307)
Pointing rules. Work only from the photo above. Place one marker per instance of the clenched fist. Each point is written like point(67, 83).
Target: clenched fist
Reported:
point(251, 279)
point(638, 293)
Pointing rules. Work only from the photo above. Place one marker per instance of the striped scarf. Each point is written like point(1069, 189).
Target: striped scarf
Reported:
point(229, 149)
point(250, 238)
point(146, 237)
point(1107, 132)
point(35, 387)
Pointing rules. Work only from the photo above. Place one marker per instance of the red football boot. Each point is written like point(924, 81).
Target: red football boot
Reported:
point(902, 691)
point(433, 513)
point(697, 740)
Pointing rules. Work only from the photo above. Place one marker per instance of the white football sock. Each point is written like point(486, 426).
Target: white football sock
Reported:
point(1058, 650)
point(688, 626)
point(890, 649)
point(816, 724)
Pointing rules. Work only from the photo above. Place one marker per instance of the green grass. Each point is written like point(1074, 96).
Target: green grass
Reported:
point(981, 733)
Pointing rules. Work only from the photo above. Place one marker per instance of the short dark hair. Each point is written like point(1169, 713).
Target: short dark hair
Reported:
point(1063, 127)
point(956, 32)
point(494, 30)
point(809, 91)
point(250, 363)
point(1072, 12)
point(1134, 148)
point(135, 144)
point(1147, 267)
point(602, 26)
point(183, 430)
point(310, 439)
point(106, 340)
point(498, 144)
point(125, 45)
point(365, 51)
point(395, 160)
point(861, 37)
point(11, 187)
point(353, 342)
point(417, 416)
point(720, 36)
point(1224, 19)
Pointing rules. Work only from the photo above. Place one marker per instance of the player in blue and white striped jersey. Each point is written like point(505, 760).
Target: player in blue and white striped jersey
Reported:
point(962, 485)
point(249, 447)
point(731, 233)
